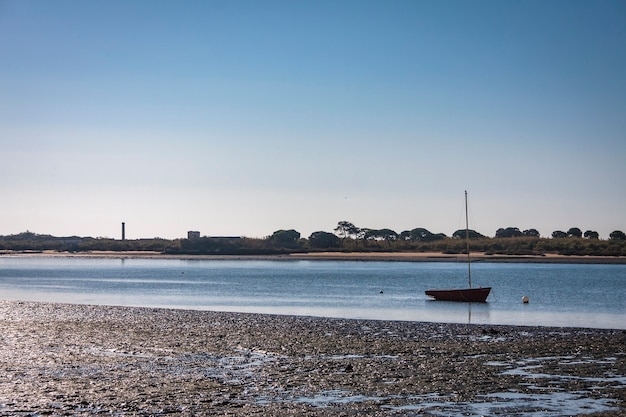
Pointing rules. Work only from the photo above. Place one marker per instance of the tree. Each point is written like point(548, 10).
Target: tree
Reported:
point(531, 232)
point(421, 235)
point(559, 234)
point(508, 232)
point(285, 238)
point(460, 234)
point(617, 235)
point(323, 240)
point(591, 234)
point(574, 232)
point(381, 234)
point(384, 234)
point(346, 229)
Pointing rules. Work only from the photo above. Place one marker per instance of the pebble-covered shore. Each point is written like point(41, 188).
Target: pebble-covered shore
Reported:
point(76, 360)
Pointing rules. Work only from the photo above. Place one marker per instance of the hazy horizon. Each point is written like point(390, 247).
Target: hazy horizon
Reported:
point(241, 118)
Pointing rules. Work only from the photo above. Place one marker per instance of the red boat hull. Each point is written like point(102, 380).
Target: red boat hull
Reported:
point(468, 295)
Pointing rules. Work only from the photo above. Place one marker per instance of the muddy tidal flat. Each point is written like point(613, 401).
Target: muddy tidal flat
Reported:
point(79, 360)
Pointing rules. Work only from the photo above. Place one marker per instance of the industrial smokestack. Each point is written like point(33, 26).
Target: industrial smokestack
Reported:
point(123, 231)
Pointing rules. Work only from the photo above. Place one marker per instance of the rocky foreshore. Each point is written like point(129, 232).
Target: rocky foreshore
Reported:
point(59, 359)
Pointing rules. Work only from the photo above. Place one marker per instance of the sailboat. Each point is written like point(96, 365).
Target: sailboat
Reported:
point(470, 295)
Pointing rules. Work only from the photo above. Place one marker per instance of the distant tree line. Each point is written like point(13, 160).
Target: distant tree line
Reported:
point(345, 237)
point(507, 241)
point(29, 241)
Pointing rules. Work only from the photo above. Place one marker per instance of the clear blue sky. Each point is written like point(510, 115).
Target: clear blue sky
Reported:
point(245, 117)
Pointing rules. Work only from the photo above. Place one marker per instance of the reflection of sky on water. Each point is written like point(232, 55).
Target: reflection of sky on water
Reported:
point(560, 295)
point(545, 397)
point(512, 404)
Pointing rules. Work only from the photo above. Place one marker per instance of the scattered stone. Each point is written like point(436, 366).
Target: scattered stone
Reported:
point(58, 359)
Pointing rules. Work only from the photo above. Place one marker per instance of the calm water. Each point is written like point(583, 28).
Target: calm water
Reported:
point(560, 295)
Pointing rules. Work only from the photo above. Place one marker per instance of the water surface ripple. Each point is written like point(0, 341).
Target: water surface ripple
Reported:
point(570, 295)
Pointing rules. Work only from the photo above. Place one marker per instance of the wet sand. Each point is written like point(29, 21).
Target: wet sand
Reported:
point(59, 359)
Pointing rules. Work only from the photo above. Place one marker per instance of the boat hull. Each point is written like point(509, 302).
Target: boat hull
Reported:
point(468, 295)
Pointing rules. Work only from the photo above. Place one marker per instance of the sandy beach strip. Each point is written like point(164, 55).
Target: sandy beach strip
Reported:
point(60, 359)
point(333, 256)
point(443, 257)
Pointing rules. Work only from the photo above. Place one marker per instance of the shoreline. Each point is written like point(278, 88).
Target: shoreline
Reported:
point(65, 359)
point(335, 256)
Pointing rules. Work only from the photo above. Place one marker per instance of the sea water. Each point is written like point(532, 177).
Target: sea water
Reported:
point(571, 295)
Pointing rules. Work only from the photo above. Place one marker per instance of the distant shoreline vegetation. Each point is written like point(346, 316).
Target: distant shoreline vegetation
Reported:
point(345, 238)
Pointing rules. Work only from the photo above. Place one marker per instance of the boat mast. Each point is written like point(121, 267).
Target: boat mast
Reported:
point(469, 270)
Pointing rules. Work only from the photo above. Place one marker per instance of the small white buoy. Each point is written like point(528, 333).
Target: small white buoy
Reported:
point(525, 299)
